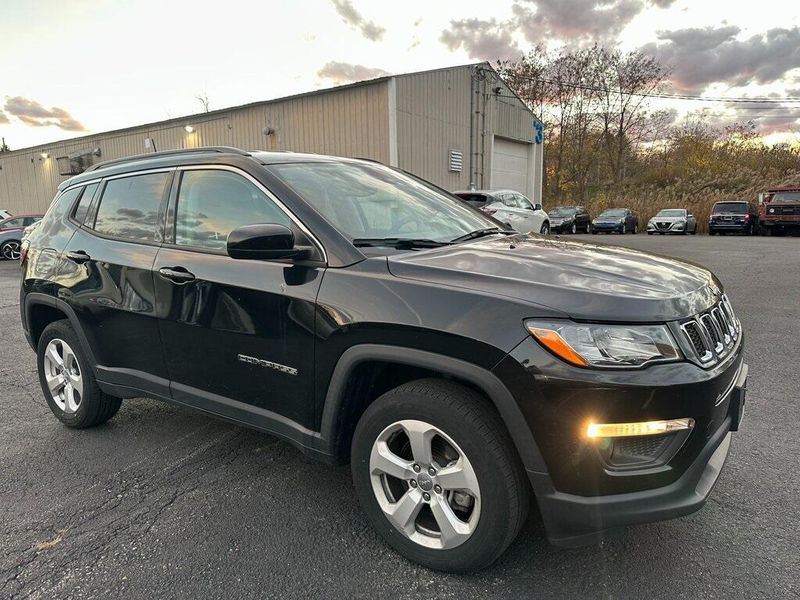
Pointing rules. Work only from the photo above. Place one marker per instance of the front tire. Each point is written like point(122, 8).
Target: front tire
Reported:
point(574, 229)
point(436, 473)
point(545, 229)
point(67, 379)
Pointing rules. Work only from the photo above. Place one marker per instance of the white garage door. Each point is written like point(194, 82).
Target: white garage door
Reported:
point(510, 164)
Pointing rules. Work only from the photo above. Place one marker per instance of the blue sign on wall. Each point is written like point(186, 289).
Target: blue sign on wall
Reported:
point(538, 128)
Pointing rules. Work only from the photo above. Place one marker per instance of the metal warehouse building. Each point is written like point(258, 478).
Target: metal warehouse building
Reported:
point(455, 127)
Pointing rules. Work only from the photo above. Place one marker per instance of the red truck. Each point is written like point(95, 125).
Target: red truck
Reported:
point(779, 210)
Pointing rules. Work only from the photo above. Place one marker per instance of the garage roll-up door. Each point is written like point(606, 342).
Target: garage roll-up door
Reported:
point(510, 164)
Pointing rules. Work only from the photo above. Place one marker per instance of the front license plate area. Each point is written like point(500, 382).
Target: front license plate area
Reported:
point(736, 409)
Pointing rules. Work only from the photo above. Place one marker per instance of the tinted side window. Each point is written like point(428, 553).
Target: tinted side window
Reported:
point(83, 206)
point(212, 203)
point(524, 203)
point(13, 223)
point(129, 207)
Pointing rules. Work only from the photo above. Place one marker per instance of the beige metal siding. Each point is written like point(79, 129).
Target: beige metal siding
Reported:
point(352, 121)
point(432, 119)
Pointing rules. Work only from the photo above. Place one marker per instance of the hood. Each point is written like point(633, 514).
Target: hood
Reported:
point(579, 280)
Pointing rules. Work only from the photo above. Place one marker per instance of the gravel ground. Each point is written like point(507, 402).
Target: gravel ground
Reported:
point(162, 502)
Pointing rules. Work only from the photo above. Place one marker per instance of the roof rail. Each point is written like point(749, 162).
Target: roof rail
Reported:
point(119, 161)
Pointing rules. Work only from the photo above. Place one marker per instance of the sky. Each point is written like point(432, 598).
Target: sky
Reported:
point(75, 67)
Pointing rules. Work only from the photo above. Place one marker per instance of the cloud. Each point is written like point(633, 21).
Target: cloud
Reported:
point(662, 3)
point(481, 39)
point(33, 114)
point(700, 57)
point(4, 118)
point(574, 21)
point(354, 19)
point(342, 72)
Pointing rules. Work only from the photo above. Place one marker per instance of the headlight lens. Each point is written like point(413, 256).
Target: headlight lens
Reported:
point(596, 345)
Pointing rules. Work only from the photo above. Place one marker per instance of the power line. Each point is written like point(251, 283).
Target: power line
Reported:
point(734, 100)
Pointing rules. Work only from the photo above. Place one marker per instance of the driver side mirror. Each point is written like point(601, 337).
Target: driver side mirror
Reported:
point(264, 241)
point(537, 206)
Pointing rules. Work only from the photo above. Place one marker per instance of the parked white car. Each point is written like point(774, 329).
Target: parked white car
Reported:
point(509, 207)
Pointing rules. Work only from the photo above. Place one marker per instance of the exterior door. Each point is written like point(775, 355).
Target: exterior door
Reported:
point(238, 335)
point(105, 275)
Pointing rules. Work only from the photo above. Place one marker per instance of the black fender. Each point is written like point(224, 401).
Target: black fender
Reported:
point(485, 380)
point(37, 298)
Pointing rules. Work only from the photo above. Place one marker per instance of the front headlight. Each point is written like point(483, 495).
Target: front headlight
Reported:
point(604, 346)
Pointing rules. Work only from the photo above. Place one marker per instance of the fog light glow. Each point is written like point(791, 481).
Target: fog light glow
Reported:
point(609, 430)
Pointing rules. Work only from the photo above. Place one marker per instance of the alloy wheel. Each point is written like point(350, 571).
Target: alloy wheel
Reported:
point(11, 250)
point(425, 484)
point(63, 375)
point(545, 229)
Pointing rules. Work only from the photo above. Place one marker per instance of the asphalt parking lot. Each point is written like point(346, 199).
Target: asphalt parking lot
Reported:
point(162, 502)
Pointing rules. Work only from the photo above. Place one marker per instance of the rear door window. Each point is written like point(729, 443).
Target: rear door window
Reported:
point(82, 209)
point(129, 207)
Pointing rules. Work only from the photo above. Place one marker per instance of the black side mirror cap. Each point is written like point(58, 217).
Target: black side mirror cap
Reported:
point(265, 241)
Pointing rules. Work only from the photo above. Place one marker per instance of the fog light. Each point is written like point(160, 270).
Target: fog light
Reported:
point(614, 430)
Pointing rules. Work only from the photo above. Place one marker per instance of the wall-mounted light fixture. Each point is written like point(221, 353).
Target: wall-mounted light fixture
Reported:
point(268, 131)
point(188, 129)
point(44, 155)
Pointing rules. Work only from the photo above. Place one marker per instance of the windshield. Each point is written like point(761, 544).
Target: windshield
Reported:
point(373, 201)
point(736, 208)
point(562, 211)
point(786, 198)
point(671, 212)
point(613, 212)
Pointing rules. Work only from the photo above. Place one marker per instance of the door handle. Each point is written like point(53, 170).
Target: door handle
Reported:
point(176, 274)
point(78, 256)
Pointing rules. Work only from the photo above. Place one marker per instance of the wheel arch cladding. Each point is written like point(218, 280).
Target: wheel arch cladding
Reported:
point(340, 400)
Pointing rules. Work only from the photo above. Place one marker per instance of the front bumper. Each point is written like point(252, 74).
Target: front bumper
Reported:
point(560, 227)
point(674, 228)
point(582, 496)
point(608, 227)
point(728, 226)
point(573, 520)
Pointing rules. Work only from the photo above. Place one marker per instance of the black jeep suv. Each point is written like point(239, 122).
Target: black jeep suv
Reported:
point(364, 315)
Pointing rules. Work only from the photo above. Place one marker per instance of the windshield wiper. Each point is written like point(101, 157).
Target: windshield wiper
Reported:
point(479, 233)
point(399, 243)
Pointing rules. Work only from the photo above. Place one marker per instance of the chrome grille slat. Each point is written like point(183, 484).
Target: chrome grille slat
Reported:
point(712, 334)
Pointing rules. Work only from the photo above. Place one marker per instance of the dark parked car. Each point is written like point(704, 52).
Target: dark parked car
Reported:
point(11, 230)
point(672, 220)
point(570, 219)
point(616, 220)
point(736, 216)
point(367, 317)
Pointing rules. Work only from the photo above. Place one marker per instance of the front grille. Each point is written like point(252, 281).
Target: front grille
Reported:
point(712, 335)
point(662, 225)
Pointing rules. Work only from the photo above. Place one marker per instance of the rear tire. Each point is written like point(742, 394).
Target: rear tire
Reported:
point(67, 379)
point(437, 412)
point(10, 250)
